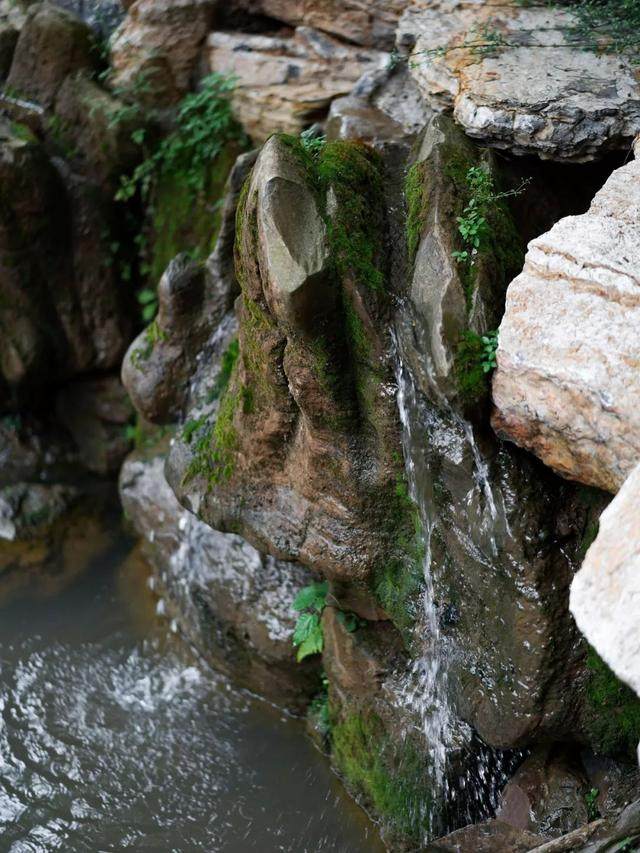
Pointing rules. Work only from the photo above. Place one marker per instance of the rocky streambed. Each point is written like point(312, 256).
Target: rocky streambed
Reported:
point(344, 296)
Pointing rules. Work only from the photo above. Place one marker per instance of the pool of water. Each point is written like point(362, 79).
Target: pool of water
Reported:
point(113, 738)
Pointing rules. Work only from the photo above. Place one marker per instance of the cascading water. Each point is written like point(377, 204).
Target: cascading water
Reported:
point(470, 789)
point(425, 688)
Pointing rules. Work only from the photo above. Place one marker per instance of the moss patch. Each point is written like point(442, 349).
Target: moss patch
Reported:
point(387, 775)
point(417, 197)
point(613, 723)
point(185, 219)
point(398, 579)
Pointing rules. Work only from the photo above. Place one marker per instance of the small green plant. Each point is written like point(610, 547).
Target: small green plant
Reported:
point(475, 359)
point(489, 348)
point(319, 711)
point(310, 603)
point(148, 300)
point(204, 125)
point(591, 801)
point(473, 224)
point(312, 142)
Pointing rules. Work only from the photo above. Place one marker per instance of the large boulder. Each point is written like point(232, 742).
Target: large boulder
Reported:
point(285, 83)
point(155, 50)
point(567, 385)
point(365, 22)
point(607, 585)
point(53, 44)
point(304, 446)
point(232, 602)
point(515, 79)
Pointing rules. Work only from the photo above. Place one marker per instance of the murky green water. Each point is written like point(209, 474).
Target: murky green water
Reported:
point(111, 740)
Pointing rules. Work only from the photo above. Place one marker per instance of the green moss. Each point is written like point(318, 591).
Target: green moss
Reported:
point(387, 774)
point(398, 579)
point(613, 724)
point(471, 379)
point(417, 198)
point(185, 218)
point(353, 172)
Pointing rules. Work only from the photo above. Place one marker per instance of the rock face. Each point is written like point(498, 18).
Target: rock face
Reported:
point(286, 83)
point(606, 588)
point(233, 603)
point(500, 527)
point(158, 44)
point(567, 386)
point(303, 447)
point(514, 82)
point(61, 310)
point(52, 45)
point(192, 301)
point(546, 796)
point(365, 22)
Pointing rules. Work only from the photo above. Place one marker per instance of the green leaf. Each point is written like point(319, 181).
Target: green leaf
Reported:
point(307, 625)
point(312, 645)
point(146, 296)
point(313, 597)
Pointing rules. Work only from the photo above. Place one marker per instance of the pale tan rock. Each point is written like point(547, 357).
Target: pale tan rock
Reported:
point(366, 22)
point(287, 83)
point(514, 82)
point(567, 385)
point(605, 594)
point(161, 41)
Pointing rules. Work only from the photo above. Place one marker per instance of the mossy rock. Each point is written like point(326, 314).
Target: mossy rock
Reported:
point(386, 774)
point(612, 711)
point(187, 220)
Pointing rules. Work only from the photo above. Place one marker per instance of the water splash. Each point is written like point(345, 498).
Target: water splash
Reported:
point(425, 690)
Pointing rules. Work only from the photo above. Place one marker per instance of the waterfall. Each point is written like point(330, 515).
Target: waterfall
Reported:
point(466, 775)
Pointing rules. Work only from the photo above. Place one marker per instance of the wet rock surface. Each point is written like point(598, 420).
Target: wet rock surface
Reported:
point(232, 602)
point(514, 80)
point(61, 309)
point(566, 385)
point(52, 45)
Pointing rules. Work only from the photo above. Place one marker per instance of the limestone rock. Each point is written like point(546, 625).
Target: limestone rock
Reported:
point(233, 603)
point(605, 589)
point(84, 131)
point(287, 83)
point(385, 106)
point(365, 22)
point(567, 385)
point(159, 43)
point(514, 82)
point(495, 516)
point(52, 44)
